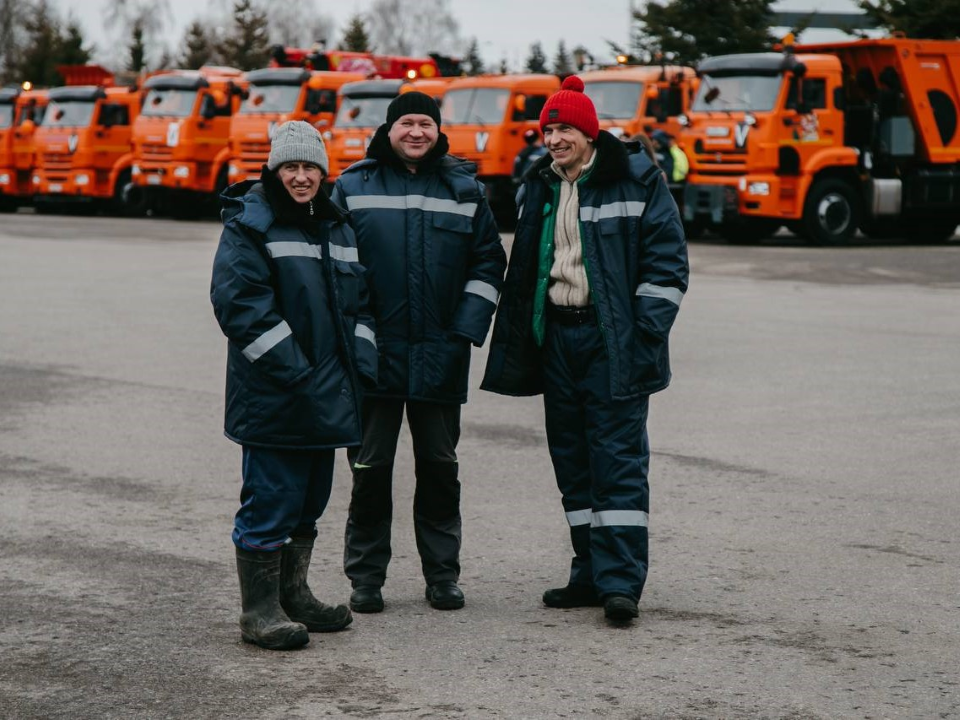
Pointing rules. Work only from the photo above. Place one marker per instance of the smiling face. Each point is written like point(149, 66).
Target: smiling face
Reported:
point(301, 179)
point(568, 147)
point(412, 137)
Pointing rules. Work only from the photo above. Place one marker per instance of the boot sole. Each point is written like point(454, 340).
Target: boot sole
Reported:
point(331, 627)
point(447, 604)
point(290, 643)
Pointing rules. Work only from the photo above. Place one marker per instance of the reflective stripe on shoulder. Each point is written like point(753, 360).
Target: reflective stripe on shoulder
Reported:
point(293, 249)
point(484, 290)
point(255, 350)
point(610, 518)
point(410, 202)
point(365, 333)
point(659, 291)
point(628, 208)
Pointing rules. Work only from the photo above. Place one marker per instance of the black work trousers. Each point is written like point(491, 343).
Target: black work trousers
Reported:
point(435, 429)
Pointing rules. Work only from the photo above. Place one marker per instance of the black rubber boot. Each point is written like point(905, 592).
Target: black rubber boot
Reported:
point(263, 621)
point(295, 596)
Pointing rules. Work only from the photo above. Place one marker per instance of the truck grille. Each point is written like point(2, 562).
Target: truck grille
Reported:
point(255, 151)
point(56, 162)
point(156, 153)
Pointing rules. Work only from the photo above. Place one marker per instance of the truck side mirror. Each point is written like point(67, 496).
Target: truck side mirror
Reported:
point(839, 99)
point(208, 108)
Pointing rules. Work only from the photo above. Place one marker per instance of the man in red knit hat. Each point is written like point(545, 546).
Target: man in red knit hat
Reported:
point(596, 276)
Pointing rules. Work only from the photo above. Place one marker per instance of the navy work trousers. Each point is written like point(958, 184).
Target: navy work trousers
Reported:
point(284, 493)
point(600, 455)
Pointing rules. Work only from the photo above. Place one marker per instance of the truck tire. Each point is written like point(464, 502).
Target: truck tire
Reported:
point(128, 199)
point(831, 214)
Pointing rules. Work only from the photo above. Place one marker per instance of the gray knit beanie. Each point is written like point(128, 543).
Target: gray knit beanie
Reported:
point(297, 141)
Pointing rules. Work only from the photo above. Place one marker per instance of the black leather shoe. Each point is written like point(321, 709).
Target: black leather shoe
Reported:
point(445, 595)
point(572, 596)
point(366, 599)
point(620, 608)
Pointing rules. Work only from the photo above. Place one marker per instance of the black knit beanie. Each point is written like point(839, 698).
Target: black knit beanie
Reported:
point(412, 103)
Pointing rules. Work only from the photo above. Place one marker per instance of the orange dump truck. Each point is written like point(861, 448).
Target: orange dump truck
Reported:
point(632, 99)
point(485, 117)
point(181, 140)
point(828, 139)
point(83, 157)
point(21, 110)
point(276, 95)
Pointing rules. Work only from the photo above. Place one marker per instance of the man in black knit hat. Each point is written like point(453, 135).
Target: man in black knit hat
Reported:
point(434, 265)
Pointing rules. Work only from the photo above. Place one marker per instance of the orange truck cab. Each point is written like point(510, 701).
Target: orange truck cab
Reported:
point(484, 118)
point(82, 143)
point(275, 96)
point(828, 139)
point(632, 99)
point(363, 108)
point(181, 140)
point(20, 113)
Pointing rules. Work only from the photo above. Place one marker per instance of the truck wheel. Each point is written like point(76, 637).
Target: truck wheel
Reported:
point(831, 214)
point(128, 199)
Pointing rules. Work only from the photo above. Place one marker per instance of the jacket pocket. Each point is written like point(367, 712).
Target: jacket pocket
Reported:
point(348, 287)
point(451, 239)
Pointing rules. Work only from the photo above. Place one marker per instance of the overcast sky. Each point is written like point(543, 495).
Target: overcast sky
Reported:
point(504, 28)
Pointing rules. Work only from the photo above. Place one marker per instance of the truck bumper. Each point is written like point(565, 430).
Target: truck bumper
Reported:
point(726, 200)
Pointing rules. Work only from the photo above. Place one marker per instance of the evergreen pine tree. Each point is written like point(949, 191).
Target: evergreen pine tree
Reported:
point(197, 47)
point(933, 19)
point(40, 57)
point(355, 37)
point(536, 61)
point(137, 60)
point(247, 47)
point(473, 63)
point(561, 61)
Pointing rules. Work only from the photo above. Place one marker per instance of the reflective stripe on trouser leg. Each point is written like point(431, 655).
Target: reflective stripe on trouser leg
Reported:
point(567, 441)
point(284, 491)
point(436, 520)
point(619, 461)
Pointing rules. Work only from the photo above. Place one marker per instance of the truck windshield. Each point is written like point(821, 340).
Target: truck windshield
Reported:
point(365, 112)
point(270, 99)
point(6, 115)
point(169, 103)
point(475, 106)
point(614, 100)
point(68, 113)
point(723, 93)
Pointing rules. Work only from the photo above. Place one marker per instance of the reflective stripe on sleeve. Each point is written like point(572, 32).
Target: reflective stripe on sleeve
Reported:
point(293, 249)
point(408, 202)
point(579, 517)
point(484, 290)
point(343, 253)
point(610, 518)
point(628, 208)
point(265, 342)
point(659, 291)
point(362, 331)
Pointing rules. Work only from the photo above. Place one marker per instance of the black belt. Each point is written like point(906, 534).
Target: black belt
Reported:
point(564, 315)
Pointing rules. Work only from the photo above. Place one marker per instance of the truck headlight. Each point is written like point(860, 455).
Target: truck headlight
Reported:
point(36, 179)
point(758, 188)
point(134, 169)
point(181, 171)
point(4, 179)
point(81, 180)
point(233, 170)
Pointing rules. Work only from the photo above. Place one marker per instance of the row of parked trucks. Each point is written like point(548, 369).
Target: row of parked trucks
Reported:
point(825, 139)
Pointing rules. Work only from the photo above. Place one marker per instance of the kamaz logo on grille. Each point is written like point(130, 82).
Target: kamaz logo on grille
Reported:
point(72, 143)
point(482, 139)
point(740, 133)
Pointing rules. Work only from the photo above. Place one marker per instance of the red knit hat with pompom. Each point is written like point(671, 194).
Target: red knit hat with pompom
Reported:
point(571, 106)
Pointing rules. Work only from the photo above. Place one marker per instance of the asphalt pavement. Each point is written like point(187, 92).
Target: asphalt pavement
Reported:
point(805, 561)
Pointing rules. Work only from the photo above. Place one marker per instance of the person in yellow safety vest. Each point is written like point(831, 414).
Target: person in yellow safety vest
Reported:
point(672, 159)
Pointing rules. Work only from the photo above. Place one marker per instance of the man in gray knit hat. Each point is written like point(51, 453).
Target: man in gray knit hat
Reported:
point(288, 293)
